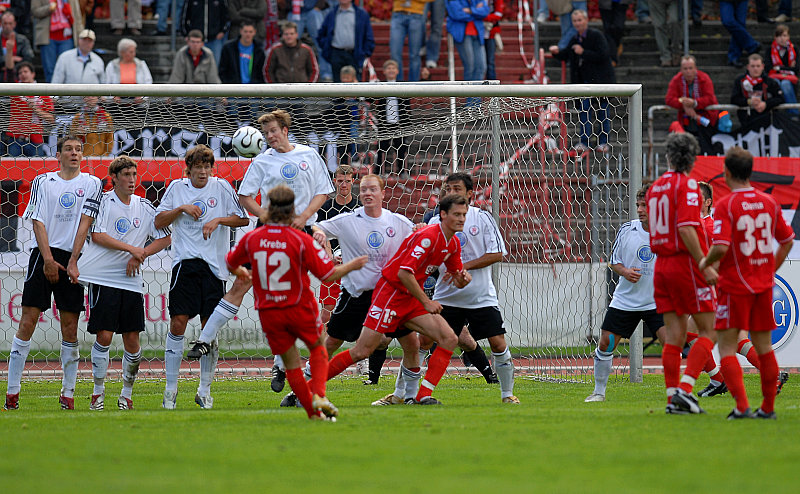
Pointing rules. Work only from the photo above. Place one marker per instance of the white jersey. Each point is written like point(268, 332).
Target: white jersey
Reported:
point(632, 250)
point(480, 236)
point(362, 235)
point(130, 223)
point(216, 200)
point(301, 169)
point(59, 203)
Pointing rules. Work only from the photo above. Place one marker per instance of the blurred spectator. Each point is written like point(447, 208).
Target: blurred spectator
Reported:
point(134, 12)
point(762, 12)
point(491, 24)
point(27, 117)
point(733, 14)
point(163, 11)
point(194, 63)
point(690, 91)
point(80, 65)
point(755, 90)
point(254, 11)
point(8, 72)
point(22, 12)
point(345, 38)
point(52, 32)
point(290, 60)
point(18, 44)
point(668, 31)
point(390, 113)
point(95, 128)
point(126, 68)
point(781, 64)
point(407, 22)
point(465, 24)
point(308, 16)
point(784, 11)
point(543, 14)
point(697, 12)
point(242, 59)
point(589, 63)
point(613, 14)
point(432, 43)
point(564, 9)
point(272, 33)
point(210, 17)
point(643, 12)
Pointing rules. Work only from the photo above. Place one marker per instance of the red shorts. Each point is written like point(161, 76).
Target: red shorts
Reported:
point(678, 286)
point(283, 326)
point(391, 308)
point(329, 293)
point(752, 312)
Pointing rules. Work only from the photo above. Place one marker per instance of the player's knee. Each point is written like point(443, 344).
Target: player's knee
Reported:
point(497, 344)
point(448, 340)
point(603, 355)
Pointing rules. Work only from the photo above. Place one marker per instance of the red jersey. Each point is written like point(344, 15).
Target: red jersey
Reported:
point(748, 222)
point(673, 201)
point(422, 253)
point(23, 121)
point(281, 258)
point(708, 226)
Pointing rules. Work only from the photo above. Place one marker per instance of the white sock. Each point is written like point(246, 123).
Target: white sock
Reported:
point(400, 383)
point(208, 365)
point(99, 367)
point(278, 362)
point(307, 370)
point(602, 369)
point(223, 312)
point(412, 382)
point(504, 366)
point(423, 354)
point(130, 369)
point(69, 364)
point(16, 364)
point(173, 354)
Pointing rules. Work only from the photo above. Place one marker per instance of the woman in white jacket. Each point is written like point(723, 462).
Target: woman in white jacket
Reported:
point(127, 69)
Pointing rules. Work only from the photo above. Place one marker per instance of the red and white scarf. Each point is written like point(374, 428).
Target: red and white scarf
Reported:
point(751, 91)
point(691, 90)
point(777, 61)
point(61, 17)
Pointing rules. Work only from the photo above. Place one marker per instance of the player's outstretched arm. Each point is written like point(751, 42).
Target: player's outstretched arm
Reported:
point(157, 245)
point(316, 202)
point(252, 206)
point(716, 253)
point(77, 245)
point(485, 260)
point(233, 221)
point(166, 218)
point(342, 269)
point(458, 279)
point(630, 274)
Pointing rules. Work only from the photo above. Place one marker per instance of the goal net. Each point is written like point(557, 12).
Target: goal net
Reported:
point(552, 163)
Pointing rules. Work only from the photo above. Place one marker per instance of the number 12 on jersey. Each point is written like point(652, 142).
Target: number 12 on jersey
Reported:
point(281, 263)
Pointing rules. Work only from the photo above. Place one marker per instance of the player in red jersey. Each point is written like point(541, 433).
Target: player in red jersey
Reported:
point(281, 258)
point(398, 298)
point(681, 289)
point(747, 224)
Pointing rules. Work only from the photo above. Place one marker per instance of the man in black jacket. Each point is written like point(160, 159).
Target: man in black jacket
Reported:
point(242, 60)
point(590, 63)
point(756, 91)
point(209, 17)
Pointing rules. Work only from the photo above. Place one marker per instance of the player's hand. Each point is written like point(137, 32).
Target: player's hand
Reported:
point(578, 49)
point(72, 270)
point(192, 210)
point(432, 306)
point(132, 268)
point(320, 237)
point(243, 274)
point(138, 254)
point(209, 228)
point(359, 262)
point(710, 274)
point(51, 269)
point(554, 49)
point(632, 275)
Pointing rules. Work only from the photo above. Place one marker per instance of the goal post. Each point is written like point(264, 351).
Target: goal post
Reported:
point(558, 166)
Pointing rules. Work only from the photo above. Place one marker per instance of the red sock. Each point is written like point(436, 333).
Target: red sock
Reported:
point(698, 356)
point(769, 378)
point(747, 349)
point(733, 377)
point(340, 362)
point(437, 365)
point(690, 337)
point(300, 388)
point(671, 360)
point(711, 366)
point(318, 360)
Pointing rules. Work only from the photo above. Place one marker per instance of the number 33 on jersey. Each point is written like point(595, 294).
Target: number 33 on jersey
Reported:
point(281, 258)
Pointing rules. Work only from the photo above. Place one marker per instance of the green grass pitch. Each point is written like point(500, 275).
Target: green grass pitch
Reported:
point(552, 442)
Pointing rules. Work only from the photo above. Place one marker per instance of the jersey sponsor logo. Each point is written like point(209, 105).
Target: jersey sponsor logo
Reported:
point(212, 202)
point(200, 204)
point(375, 240)
point(137, 222)
point(430, 282)
point(705, 294)
point(289, 171)
point(417, 252)
point(375, 312)
point(722, 312)
point(67, 200)
point(474, 230)
point(784, 309)
point(717, 227)
point(390, 232)
point(80, 192)
point(692, 199)
point(303, 165)
point(462, 239)
point(426, 242)
point(122, 225)
point(645, 254)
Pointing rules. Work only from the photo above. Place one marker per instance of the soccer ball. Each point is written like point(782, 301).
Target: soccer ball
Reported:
point(247, 142)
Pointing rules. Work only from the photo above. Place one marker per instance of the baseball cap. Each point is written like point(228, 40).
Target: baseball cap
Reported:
point(87, 33)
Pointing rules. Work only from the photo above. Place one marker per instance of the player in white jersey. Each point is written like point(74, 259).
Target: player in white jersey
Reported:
point(110, 266)
point(301, 169)
point(201, 209)
point(476, 304)
point(633, 261)
point(56, 203)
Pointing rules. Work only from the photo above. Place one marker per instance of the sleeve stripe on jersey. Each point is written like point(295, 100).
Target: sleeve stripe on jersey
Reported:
point(620, 234)
point(34, 199)
point(407, 268)
point(721, 241)
point(688, 223)
point(485, 215)
point(229, 189)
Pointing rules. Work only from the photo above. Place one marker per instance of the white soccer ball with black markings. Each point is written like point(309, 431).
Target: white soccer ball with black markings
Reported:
point(248, 142)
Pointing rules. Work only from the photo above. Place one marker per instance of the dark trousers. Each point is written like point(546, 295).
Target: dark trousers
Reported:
point(614, 26)
point(342, 58)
